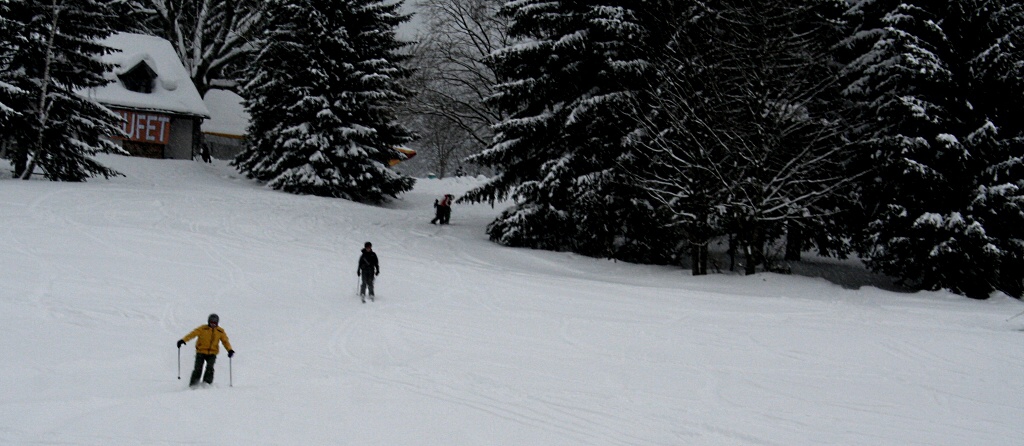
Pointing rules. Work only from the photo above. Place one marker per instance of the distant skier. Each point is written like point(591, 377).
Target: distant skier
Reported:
point(368, 268)
point(443, 214)
point(447, 210)
point(210, 336)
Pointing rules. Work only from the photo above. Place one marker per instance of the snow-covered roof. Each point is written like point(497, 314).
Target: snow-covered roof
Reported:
point(173, 91)
point(228, 116)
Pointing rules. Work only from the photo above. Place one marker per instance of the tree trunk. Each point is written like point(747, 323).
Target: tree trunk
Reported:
point(20, 162)
point(750, 268)
point(752, 251)
point(794, 242)
point(699, 258)
point(732, 252)
point(44, 105)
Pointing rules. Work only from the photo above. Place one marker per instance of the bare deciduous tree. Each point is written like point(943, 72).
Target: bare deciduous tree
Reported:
point(444, 145)
point(745, 141)
point(453, 76)
point(211, 37)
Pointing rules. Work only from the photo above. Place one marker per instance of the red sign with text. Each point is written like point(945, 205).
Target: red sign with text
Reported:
point(152, 128)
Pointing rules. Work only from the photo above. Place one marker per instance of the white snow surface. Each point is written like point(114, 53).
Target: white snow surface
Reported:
point(468, 342)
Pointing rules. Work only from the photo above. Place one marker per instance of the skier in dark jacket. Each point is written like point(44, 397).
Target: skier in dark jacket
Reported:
point(210, 336)
point(368, 268)
point(444, 210)
point(447, 209)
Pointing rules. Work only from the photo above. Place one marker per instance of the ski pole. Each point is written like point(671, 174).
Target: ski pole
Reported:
point(179, 362)
point(231, 377)
point(1015, 316)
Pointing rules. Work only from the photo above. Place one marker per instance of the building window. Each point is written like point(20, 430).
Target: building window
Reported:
point(139, 79)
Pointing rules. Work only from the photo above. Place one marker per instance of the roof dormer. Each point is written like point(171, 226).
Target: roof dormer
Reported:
point(139, 78)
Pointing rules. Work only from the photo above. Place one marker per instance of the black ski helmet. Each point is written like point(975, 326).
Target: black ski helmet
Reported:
point(367, 245)
point(213, 319)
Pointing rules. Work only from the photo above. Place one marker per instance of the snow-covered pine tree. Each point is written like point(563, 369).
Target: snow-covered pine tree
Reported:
point(566, 88)
point(56, 54)
point(321, 95)
point(999, 72)
point(748, 141)
point(8, 92)
point(939, 91)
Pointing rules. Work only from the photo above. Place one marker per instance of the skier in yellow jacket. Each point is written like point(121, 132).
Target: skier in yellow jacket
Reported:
point(210, 336)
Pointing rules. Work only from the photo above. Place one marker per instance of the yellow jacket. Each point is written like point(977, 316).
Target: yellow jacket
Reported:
point(209, 339)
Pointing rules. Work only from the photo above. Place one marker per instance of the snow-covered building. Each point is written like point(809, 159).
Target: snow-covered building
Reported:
point(153, 92)
point(225, 130)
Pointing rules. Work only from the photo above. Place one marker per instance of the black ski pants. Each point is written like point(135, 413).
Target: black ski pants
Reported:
point(198, 370)
point(366, 282)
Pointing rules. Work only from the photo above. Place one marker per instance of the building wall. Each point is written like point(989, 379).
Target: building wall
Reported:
point(158, 135)
point(224, 147)
point(180, 145)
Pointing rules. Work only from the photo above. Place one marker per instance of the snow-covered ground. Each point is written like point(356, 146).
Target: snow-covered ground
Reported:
point(468, 343)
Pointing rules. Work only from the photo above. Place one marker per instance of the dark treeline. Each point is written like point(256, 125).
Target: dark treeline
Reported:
point(649, 130)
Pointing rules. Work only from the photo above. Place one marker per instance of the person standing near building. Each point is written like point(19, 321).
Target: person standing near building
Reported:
point(204, 152)
point(368, 268)
point(210, 336)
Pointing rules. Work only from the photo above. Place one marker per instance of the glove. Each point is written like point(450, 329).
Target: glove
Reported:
point(231, 353)
point(378, 273)
point(180, 343)
point(357, 274)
